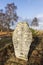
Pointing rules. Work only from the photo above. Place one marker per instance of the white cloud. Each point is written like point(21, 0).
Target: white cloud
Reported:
point(40, 16)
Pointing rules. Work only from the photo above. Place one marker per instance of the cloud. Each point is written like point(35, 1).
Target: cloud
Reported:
point(40, 16)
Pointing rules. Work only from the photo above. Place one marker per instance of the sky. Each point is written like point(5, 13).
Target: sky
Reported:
point(25, 8)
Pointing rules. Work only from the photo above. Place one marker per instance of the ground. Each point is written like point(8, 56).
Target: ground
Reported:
point(35, 56)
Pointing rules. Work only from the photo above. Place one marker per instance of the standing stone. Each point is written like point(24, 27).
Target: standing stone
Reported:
point(22, 38)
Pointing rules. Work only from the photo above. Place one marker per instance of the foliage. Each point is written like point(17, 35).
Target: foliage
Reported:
point(9, 16)
point(35, 22)
point(34, 32)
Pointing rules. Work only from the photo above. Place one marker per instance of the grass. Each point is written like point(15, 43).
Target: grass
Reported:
point(5, 41)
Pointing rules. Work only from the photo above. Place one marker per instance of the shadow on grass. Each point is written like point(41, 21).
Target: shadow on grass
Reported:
point(33, 46)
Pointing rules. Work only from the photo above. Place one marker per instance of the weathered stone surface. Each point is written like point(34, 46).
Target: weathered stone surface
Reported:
point(22, 38)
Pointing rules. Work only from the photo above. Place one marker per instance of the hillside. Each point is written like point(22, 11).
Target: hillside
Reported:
point(35, 56)
point(36, 53)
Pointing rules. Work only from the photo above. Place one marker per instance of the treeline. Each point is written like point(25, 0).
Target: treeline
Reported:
point(8, 18)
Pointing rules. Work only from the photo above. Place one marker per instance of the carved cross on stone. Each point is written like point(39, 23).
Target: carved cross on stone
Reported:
point(22, 38)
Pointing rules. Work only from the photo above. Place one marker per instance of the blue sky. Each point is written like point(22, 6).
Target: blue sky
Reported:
point(26, 8)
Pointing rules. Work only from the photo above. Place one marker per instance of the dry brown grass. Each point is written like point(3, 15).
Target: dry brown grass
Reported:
point(5, 33)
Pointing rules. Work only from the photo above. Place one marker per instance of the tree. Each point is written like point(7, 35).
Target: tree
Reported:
point(1, 19)
point(11, 14)
point(35, 22)
point(8, 17)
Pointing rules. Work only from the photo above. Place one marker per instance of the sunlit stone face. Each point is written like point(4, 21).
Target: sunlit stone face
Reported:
point(22, 38)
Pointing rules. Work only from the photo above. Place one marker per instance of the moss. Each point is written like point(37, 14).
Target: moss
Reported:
point(34, 32)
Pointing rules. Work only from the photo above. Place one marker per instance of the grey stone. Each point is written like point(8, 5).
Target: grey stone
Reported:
point(22, 38)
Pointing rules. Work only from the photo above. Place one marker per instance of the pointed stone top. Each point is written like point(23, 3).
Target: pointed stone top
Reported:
point(22, 38)
point(22, 23)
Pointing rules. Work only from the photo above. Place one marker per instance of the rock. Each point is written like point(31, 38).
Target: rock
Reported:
point(22, 38)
